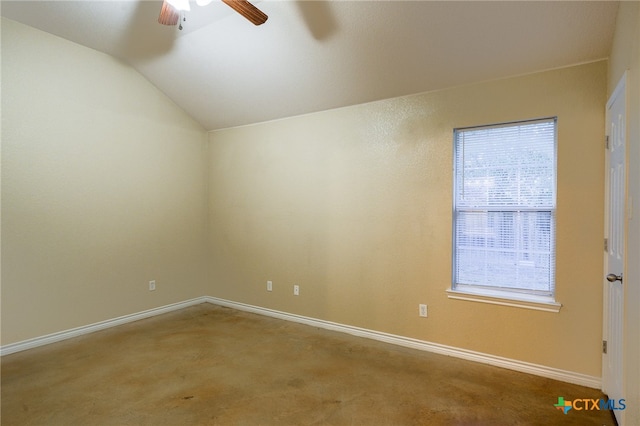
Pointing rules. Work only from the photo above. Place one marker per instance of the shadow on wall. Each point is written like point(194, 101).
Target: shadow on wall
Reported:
point(147, 41)
point(319, 18)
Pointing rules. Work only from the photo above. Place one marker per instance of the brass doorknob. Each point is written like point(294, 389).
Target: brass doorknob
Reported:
point(612, 278)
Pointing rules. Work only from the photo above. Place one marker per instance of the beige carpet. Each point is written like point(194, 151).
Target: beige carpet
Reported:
point(208, 365)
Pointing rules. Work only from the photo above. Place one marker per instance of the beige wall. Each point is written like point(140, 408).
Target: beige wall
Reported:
point(354, 205)
point(625, 55)
point(103, 189)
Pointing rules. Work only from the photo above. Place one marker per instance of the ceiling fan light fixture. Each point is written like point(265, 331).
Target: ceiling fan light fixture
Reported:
point(171, 12)
point(180, 5)
point(249, 11)
point(168, 14)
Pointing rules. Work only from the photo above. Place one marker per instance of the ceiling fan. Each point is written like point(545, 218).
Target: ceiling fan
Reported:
point(171, 9)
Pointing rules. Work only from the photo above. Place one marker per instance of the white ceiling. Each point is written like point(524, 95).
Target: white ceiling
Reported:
point(316, 55)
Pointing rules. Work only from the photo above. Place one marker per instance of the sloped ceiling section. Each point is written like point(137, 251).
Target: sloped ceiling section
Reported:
point(316, 55)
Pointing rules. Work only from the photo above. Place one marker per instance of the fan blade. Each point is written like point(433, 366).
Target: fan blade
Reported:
point(249, 11)
point(168, 14)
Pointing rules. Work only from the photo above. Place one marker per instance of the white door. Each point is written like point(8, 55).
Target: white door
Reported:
point(612, 372)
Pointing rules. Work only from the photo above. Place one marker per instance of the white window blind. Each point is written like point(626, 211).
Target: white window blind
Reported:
point(504, 207)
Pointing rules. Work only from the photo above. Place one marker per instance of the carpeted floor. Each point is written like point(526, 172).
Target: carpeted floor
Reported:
point(209, 365)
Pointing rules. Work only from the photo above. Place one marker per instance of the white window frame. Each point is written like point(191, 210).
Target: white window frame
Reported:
point(504, 295)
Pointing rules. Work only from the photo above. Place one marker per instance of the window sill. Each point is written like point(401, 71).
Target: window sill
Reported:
point(526, 302)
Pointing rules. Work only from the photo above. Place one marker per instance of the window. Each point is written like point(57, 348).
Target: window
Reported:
point(504, 210)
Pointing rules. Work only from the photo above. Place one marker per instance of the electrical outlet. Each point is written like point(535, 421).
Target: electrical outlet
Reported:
point(296, 290)
point(422, 310)
point(152, 285)
point(269, 286)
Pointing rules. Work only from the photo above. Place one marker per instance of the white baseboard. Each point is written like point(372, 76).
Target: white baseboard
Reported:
point(79, 331)
point(524, 367)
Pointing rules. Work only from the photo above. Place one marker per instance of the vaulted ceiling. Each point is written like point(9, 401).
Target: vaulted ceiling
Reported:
point(316, 55)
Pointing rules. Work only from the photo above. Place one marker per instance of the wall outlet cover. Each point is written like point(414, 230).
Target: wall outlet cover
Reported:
point(422, 310)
